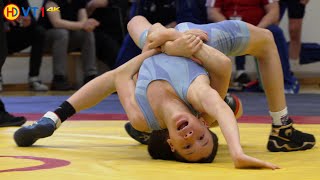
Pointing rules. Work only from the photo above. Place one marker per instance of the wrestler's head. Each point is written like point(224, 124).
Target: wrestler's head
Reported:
point(189, 140)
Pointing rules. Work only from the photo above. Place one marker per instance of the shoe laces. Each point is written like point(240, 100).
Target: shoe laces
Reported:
point(144, 137)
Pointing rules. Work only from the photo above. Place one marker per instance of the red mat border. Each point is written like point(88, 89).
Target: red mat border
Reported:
point(106, 117)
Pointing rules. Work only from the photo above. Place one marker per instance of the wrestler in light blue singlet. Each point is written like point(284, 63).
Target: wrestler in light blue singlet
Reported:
point(178, 71)
point(230, 37)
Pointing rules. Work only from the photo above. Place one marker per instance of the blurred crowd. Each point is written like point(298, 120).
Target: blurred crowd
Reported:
point(97, 29)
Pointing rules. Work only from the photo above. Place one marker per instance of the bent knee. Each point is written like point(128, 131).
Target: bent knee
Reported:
point(134, 21)
point(226, 65)
point(267, 36)
point(262, 43)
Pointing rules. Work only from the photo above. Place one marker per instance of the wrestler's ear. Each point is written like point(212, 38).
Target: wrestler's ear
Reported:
point(204, 122)
point(170, 144)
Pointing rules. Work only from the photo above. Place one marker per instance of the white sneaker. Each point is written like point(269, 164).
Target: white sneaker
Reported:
point(294, 65)
point(36, 85)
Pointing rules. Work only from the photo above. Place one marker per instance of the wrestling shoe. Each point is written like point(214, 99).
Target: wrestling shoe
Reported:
point(141, 137)
point(28, 135)
point(7, 119)
point(286, 138)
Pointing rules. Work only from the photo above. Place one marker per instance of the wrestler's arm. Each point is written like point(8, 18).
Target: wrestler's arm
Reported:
point(218, 65)
point(158, 35)
point(125, 86)
point(104, 85)
point(175, 43)
point(206, 100)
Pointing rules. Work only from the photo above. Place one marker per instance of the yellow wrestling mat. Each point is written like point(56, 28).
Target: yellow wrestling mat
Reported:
point(91, 150)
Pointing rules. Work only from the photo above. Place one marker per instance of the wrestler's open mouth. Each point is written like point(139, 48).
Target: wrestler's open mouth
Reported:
point(182, 124)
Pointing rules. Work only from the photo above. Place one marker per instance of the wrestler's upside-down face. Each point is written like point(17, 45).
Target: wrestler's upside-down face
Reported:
point(191, 138)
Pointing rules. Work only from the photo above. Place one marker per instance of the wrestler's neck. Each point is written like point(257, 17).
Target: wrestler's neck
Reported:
point(163, 101)
point(171, 111)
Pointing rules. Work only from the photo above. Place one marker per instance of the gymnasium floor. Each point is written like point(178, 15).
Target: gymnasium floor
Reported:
point(94, 144)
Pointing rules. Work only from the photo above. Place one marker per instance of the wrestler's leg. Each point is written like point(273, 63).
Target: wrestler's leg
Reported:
point(87, 96)
point(140, 31)
point(136, 26)
point(262, 46)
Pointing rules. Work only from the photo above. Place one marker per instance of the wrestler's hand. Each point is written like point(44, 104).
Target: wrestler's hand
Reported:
point(184, 46)
point(244, 161)
point(157, 37)
point(199, 33)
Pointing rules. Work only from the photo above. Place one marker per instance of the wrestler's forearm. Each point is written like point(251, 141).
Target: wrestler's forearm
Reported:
point(158, 38)
point(99, 88)
point(130, 68)
point(219, 110)
point(219, 67)
point(125, 84)
point(169, 34)
point(93, 92)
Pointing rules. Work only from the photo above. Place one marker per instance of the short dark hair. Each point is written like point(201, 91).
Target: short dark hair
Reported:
point(159, 148)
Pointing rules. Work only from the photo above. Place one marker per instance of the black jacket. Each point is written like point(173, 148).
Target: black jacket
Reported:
point(3, 42)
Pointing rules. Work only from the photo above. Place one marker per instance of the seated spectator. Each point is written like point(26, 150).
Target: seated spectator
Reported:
point(25, 32)
point(110, 33)
point(163, 12)
point(296, 11)
point(69, 30)
point(6, 119)
point(264, 14)
point(191, 11)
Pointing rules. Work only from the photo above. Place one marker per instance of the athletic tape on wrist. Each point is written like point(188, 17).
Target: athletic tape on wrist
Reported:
point(53, 116)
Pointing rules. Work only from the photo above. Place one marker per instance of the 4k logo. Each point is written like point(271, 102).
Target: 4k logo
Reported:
point(53, 9)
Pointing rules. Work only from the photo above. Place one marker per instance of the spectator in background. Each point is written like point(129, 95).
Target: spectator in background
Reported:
point(191, 11)
point(296, 11)
point(163, 12)
point(110, 33)
point(6, 119)
point(25, 32)
point(69, 30)
point(264, 14)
